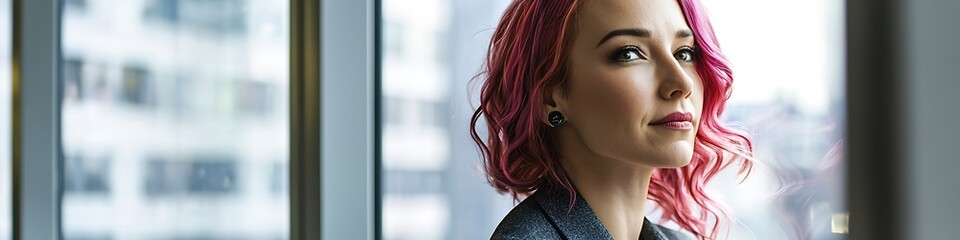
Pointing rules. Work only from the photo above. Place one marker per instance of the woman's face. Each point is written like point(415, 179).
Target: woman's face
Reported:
point(631, 67)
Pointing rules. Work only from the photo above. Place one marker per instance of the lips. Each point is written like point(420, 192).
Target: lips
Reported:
point(673, 118)
point(675, 121)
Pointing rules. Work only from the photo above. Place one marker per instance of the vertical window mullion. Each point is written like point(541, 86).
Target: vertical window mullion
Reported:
point(36, 56)
point(874, 101)
point(347, 131)
point(305, 171)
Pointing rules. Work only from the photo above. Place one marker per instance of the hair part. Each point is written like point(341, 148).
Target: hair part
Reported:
point(527, 57)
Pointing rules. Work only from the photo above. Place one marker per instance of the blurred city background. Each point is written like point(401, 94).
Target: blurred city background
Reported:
point(787, 58)
point(175, 119)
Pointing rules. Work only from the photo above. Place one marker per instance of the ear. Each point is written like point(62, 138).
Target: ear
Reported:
point(554, 99)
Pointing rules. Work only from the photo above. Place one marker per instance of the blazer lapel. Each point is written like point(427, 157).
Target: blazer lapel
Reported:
point(580, 222)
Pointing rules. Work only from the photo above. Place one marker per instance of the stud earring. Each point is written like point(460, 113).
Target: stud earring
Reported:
point(556, 119)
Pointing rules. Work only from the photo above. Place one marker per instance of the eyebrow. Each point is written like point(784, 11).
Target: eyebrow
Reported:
point(639, 32)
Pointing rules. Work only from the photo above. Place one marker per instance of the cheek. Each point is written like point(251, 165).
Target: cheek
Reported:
point(610, 107)
point(611, 99)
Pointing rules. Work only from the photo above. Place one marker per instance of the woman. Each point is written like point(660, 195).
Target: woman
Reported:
point(594, 106)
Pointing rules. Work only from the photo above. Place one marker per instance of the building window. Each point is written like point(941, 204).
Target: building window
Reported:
point(208, 177)
point(73, 79)
point(135, 86)
point(86, 175)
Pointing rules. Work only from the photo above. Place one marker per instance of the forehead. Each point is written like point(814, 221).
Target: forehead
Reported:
point(662, 17)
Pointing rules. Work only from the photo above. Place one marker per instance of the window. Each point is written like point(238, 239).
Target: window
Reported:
point(199, 177)
point(174, 119)
point(135, 86)
point(86, 175)
point(796, 117)
point(792, 104)
point(72, 79)
point(218, 17)
point(430, 171)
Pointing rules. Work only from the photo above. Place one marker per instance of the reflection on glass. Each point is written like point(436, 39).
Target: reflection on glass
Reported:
point(791, 103)
point(6, 135)
point(175, 119)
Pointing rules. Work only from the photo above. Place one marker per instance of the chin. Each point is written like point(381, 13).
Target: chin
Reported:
point(676, 156)
point(683, 161)
point(672, 162)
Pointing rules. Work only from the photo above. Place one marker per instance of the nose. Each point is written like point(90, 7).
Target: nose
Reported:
point(675, 83)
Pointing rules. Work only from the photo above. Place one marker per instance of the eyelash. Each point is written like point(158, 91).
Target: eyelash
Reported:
point(616, 56)
point(694, 53)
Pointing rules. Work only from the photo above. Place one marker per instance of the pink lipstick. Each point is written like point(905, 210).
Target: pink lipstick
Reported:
point(676, 120)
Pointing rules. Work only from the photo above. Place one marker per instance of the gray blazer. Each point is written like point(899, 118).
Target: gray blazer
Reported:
point(544, 215)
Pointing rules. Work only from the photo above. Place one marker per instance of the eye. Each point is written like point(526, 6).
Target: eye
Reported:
point(686, 54)
point(627, 54)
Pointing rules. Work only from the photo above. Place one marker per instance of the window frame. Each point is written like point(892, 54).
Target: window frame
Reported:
point(875, 159)
point(36, 119)
point(348, 121)
point(304, 165)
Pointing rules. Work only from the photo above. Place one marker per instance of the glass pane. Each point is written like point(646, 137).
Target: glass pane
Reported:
point(6, 135)
point(788, 96)
point(433, 186)
point(175, 119)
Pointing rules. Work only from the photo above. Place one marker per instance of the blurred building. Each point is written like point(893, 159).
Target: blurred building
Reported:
point(174, 119)
point(434, 187)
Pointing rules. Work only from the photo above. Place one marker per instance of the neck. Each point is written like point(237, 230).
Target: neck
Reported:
point(615, 189)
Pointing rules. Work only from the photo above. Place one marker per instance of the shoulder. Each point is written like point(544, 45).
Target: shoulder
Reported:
point(526, 221)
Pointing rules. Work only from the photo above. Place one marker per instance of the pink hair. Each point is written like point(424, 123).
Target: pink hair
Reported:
point(526, 57)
